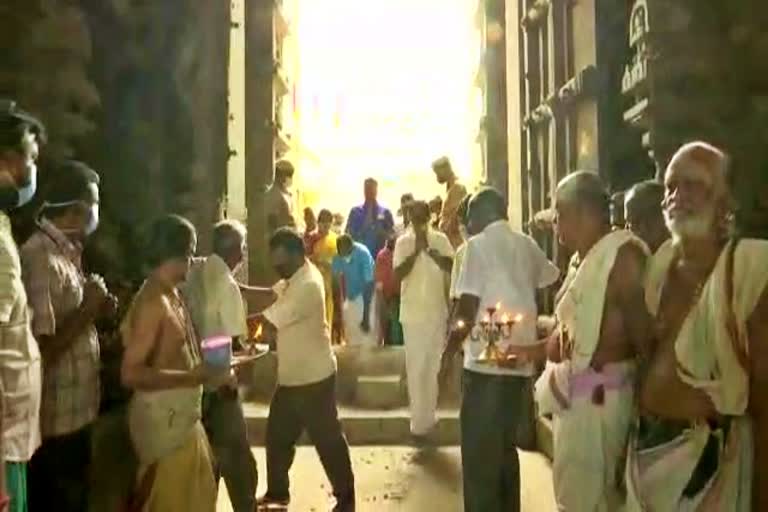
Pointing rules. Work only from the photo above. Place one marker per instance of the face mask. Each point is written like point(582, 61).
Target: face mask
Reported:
point(93, 214)
point(27, 192)
point(93, 220)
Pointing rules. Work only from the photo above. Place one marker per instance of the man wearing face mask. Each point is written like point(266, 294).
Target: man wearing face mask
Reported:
point(65, 303)
point(20, 365)
point(305, 397)
point(216, 307)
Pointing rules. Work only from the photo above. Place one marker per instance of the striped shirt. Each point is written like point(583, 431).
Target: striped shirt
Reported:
point(55, 282)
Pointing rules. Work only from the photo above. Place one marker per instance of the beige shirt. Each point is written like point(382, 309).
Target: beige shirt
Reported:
point(304, 354)
point(449, 220)
point(422, 292)
point(20, 363)
point(214, 299)
point(279, 208)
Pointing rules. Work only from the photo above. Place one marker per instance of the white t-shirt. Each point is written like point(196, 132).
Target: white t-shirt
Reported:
point(422, 292)
point(304, 354)
point(214, 299)
point(501, 266)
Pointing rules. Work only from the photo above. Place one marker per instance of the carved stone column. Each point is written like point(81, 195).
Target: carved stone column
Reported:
point(259, 134)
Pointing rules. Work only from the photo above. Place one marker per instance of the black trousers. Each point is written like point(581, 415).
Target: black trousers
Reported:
point(225, 425)
point(497, 417)
point(311, 407)
point(58, 474)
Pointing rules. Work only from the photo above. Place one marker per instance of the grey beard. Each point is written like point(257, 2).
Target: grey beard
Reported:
point(695, 226)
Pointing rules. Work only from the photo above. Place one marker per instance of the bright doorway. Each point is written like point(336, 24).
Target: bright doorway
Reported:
point(382, 88)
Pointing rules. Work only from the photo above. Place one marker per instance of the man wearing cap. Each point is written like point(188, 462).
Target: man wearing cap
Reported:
point(20, 365)
point(279, 199)
point(65, 303)
point(455, 192)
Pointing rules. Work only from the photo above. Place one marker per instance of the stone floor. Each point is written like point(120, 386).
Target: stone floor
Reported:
point(395, 478)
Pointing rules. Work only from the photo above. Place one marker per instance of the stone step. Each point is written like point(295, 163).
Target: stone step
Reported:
point(364, 426)
point(259, 378)
point(380, 391)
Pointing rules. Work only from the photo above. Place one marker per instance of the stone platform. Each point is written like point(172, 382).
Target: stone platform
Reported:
point(367, 377)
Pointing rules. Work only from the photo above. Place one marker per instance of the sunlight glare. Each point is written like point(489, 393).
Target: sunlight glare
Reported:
point(383, 89)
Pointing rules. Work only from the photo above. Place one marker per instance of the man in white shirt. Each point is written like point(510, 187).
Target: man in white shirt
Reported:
point(422, 260)
point(216, 307)
point(501, 269)
point(305, 397)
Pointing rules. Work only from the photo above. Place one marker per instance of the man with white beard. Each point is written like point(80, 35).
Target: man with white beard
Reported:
point(702, 441)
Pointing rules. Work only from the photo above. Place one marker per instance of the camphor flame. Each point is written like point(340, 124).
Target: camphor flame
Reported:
point(257, 332)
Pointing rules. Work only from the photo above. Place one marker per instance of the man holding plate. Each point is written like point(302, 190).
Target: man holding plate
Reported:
point(500, 272)
point(217, 310)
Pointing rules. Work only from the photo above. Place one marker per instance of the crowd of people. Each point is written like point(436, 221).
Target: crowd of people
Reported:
point(653, 366)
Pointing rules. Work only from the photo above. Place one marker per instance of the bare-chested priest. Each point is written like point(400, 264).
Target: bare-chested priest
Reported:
point(589, 380)
point(163, 365)
point(702, 443)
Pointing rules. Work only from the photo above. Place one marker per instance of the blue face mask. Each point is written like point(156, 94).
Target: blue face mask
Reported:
point(27, 192)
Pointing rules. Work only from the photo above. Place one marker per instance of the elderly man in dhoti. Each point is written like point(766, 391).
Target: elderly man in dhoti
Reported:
point(702, 442)
point(163, 365)
point(588, 384)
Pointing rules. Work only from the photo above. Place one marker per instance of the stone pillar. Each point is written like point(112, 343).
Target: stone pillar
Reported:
point(259, 134)
point(497, 165)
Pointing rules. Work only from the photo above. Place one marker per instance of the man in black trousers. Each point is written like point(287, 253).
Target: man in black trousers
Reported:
point(305, 397)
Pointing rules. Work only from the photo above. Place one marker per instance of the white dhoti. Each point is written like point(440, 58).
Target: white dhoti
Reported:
point(712, 352)
point(352, 311)
point(424, 344)
point(592, 410)
point(590, 442)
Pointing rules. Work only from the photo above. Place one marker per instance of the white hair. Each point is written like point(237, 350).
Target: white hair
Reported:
point(708, 158)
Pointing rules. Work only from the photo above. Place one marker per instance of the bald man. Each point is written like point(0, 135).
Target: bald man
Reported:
point(642, 206)
point(704, 397)
point(588, 384)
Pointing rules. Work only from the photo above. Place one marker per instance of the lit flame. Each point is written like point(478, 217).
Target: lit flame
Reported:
point(460, 324)
point(486, 318)
point(505, 318)
point(498, 306)
point(257, 332)
point(518, 318)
